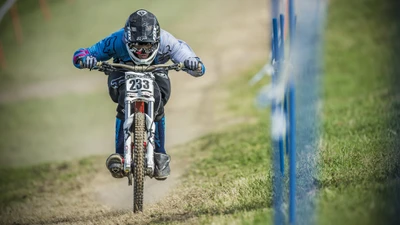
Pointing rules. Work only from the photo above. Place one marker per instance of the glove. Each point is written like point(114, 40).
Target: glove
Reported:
point(191, 63)
point(89, 62)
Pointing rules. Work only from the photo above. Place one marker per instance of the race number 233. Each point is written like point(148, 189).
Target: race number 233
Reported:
point(139, 84)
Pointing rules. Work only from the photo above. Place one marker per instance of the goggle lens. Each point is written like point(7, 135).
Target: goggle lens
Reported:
point(141, 47)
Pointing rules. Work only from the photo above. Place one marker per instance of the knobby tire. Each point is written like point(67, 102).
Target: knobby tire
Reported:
point(139, 140)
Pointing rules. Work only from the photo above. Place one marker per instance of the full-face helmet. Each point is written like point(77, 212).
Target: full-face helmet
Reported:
point(142, 37)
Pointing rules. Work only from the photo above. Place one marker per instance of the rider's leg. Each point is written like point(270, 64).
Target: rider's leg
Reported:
point(119, 136)
point(114, 161)
point(160, 136)
point(161, 158)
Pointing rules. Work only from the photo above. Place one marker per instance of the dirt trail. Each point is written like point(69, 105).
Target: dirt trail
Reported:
point(234, 39)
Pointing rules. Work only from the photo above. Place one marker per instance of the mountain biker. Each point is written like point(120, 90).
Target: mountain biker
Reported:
point(140, 42)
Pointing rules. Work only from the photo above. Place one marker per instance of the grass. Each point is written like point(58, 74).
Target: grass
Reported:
point(23, 183)
point(360, 161)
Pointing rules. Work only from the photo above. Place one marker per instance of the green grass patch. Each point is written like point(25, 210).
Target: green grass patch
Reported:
point(359, 157)
point(238, 166)
point(24, 183)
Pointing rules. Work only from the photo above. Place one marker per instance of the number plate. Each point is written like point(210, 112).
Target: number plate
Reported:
point(140, 86)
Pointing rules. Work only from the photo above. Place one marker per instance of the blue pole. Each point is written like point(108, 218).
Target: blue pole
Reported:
point(292, 124)
point(285, 110)
point(292, 154)
point(281, 156)
point(275, 40)
point(292, 22)
point(285, 103)
point(277, 165)
point(281, 57)
point(274, 106)
point(282, 28)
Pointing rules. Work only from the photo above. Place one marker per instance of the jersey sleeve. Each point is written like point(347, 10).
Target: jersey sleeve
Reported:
point(102, 50)
point(180, 51)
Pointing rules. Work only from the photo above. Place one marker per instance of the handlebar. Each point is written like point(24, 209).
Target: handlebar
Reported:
point(106, 66)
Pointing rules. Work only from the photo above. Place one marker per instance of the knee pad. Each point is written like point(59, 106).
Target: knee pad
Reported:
point(121, 96)
point(115, 81)
point(113, 94)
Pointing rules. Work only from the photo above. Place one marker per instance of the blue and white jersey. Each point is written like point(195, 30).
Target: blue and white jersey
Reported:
point(113, 46)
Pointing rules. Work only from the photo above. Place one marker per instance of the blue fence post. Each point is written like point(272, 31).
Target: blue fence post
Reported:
point(292, 124)
point(292, 22)
point(275, 42)
point(277, 165)
point(285, 102)
point(281, 50)
point(285, 110)
point(292, 154)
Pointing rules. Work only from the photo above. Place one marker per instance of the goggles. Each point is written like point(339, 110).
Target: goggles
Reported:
point(142, 47)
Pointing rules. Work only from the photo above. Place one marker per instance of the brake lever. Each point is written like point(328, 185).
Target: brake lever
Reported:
point(177, 67)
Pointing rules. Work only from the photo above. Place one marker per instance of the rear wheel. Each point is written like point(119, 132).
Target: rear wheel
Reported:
point(139, 140)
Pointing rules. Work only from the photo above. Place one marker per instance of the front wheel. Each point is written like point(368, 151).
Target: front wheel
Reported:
point(139, 148)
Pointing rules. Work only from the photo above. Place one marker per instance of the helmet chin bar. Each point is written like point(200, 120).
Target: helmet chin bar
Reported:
point(139, 61)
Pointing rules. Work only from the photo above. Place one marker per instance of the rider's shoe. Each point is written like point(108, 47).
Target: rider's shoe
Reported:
point(115, 166)
point(162, 170)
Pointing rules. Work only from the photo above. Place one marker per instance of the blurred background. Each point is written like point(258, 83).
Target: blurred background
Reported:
point(52, 111)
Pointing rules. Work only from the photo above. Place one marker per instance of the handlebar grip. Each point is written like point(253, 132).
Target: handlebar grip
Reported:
point(98, 64)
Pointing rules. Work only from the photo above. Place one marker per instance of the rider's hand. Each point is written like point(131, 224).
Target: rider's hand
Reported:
point(191, 63)
point(89, 62)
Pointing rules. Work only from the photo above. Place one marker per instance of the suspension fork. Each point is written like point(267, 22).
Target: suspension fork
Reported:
point(130, 109)
point(151, 129)
point(139, 106)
